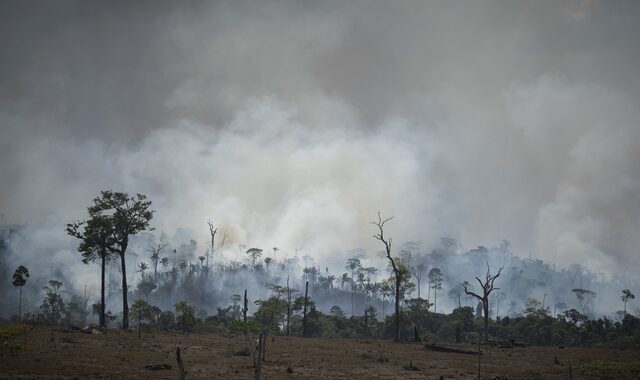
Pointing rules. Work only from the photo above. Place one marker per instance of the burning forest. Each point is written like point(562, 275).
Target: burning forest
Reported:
point(257, 189)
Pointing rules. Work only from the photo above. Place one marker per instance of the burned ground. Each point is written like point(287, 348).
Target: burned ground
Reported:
point(118, 354)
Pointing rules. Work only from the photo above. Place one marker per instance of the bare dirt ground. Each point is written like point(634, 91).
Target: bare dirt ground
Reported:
point(118, 355)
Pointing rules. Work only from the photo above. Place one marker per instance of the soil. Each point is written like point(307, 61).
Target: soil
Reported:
point(119, 354)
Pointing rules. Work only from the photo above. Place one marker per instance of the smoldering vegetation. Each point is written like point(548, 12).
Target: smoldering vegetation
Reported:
point(165, 270)
point(292, 123)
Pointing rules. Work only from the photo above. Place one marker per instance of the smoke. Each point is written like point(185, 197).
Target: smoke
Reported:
point(291, 124)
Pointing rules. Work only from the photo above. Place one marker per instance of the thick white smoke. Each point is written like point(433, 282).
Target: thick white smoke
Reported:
point(292, 124)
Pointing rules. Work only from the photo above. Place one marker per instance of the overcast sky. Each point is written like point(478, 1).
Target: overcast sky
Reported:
point(292, 123)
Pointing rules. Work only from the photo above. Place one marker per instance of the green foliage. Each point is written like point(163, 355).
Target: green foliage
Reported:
point(603, 369)
point(142, 311)
point(337, 311)
point(186, 318)
point(9, 338)
point(96, 236)
point(53, 306)
point(166, 321)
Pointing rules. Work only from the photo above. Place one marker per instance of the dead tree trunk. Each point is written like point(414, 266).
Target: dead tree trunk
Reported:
point(257, 362)
point(487, 287)
point(182, 374)
point(396, 270)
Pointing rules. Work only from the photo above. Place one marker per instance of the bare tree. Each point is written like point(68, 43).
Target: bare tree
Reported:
point(487, 287)
point(212, 230)
point(399, 274)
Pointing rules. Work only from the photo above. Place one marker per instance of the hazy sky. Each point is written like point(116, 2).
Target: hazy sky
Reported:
point(291, 123)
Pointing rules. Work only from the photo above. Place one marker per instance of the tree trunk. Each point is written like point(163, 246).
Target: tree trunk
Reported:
point(288, 306)
point(353, 292)
point(20, 305)
point(397, 317)
point(182, 374)
point(125, 290)
point(245, 307)
point(257, 364)
point(304, 312)
point(435, 300)
point(139, 320)
point(485, 306)
point(102, 291)
point(155, 270)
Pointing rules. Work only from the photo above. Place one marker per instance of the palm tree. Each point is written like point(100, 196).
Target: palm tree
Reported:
point(141, 268)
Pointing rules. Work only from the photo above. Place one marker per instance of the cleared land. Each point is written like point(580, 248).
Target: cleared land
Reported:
point(118, 354)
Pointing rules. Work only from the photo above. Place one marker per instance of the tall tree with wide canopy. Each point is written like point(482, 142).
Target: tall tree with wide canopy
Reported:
point(97, 243)
point(129, 216)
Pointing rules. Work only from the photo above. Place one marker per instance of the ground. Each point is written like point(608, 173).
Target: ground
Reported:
point(118, 354)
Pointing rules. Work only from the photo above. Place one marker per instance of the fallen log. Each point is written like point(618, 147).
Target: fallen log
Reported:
point(436, 348)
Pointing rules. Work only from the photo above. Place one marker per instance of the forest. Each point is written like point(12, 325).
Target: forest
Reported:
point(404, 293)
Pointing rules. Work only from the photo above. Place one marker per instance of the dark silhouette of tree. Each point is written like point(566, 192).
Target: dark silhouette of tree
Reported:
point(245, 307)
point(129, 216)
point(20, 279)
point(435, 279)
point(254, 255)
point(141, 268)
point(97, 243)
point(353, 265)
point(487, 287)
point(397, 271)
point(625, 297)
point(155, 251)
